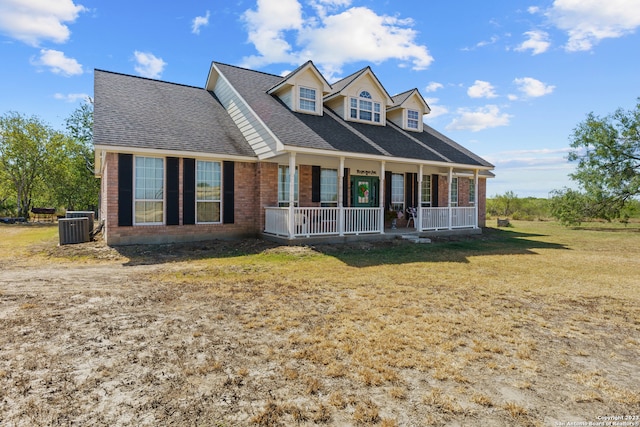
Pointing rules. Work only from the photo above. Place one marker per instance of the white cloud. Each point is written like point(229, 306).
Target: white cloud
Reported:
point(279, 33)
point(72, 97)
point(200, 21)
point(436, 109)
point(533, 9)
point(148, 65)
point(33, 21)
point(589, 21)
point(533, 88)
point(481, 89)
point(538, 42)
point(485, 117)
point(433, 86)
point(267, 25)
point(58, 63)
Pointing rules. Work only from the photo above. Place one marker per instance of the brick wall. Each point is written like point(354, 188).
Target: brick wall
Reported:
point(246, 216)
point(482, 202)
point(443, 191)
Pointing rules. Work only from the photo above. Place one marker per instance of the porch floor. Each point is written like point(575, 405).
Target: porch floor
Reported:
point(389, 234)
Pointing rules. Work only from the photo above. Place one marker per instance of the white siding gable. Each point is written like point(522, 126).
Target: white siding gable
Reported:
point(259, 137)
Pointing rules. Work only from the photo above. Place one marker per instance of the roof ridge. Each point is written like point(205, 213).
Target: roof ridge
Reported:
point(147, 78)
point(249, 69)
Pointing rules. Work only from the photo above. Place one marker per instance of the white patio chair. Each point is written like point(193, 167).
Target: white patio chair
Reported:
point(412, 216)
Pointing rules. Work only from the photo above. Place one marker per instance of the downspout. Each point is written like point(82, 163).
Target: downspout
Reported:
point(449, 203)
point(292, 187)
point(476, 201)
point(419, 207)
point(382, 186)
point(341, 197)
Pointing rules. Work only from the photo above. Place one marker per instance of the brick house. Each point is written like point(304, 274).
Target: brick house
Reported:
point(289, 157)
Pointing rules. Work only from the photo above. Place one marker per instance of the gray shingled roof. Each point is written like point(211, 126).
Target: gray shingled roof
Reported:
point(142, 113)
point(334, 133)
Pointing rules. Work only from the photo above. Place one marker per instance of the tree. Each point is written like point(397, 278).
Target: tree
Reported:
point(26, 145)
point(75, 185)
point(608, 154)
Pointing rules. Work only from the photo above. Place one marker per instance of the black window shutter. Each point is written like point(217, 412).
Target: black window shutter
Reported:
point(125, 190)
point(315, 184)
point(188, 191)
point(228, 179)
point(411, 190)
point(434, 191)
point(345, 188)
point(173, 191)
point(387, 190)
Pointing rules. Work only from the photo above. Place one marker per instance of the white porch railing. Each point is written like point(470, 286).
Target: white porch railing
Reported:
point(438, 218)
point(330, 221)
point(361, 220)
point(435, 218)
point(463, 217)
point(321, 221)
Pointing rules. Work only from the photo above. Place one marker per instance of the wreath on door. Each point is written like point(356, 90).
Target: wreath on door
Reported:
point(363, 190)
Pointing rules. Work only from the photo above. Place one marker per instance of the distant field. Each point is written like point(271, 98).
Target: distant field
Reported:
point(535, 324)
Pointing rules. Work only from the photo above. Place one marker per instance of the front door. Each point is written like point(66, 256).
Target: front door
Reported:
point(365, 191)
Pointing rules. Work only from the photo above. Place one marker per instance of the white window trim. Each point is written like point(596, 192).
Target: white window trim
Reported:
point(208, 201)
point(164, 192)
point(472, 188)
point(358, 99)
point(416, 120)
point(402, 193)
point(426, 179)
point(296, 201)
point(301, 98)
point(454, 190)
point(329, 203)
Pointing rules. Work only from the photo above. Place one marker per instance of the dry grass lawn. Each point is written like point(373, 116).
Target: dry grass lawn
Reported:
point(532, 325)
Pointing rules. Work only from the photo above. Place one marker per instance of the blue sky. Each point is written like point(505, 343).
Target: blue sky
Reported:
point(507, 79)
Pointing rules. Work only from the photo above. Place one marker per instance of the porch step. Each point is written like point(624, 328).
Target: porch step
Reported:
point(414, 238)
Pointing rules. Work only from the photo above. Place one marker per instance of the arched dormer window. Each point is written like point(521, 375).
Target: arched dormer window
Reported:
point(364, 108)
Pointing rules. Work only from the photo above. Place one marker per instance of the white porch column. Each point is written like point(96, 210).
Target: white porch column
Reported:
point(418, 219)
point(475, 184)
point(450, 178)
point(292, 186)
point(341, 197)
point(381, 194)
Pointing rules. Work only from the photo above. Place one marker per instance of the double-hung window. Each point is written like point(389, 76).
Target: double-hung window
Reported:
point(328, 187)
point(412, 119)
point(426, 190)
point(307, 99)
point(283, 186)
point(364, 108)
point(397, 192)
point(208, 191)
point(454, 191)
point(149, 190)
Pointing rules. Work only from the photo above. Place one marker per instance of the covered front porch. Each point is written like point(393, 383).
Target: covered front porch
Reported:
point(365, 197)
point(305, 222)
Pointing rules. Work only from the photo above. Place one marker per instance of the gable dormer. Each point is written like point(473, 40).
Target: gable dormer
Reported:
point(302, 90)
point(407, 110)
point(360, 98)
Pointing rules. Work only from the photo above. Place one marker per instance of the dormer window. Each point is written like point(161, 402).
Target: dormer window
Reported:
point(363, 108)
point(412, 119)
point(307, 99)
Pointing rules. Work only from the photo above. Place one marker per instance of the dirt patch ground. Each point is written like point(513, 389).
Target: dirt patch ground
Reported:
point(202, 335)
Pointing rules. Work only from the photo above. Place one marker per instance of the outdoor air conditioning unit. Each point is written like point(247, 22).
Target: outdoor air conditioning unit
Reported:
point(73, 230)
point(82, 214)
